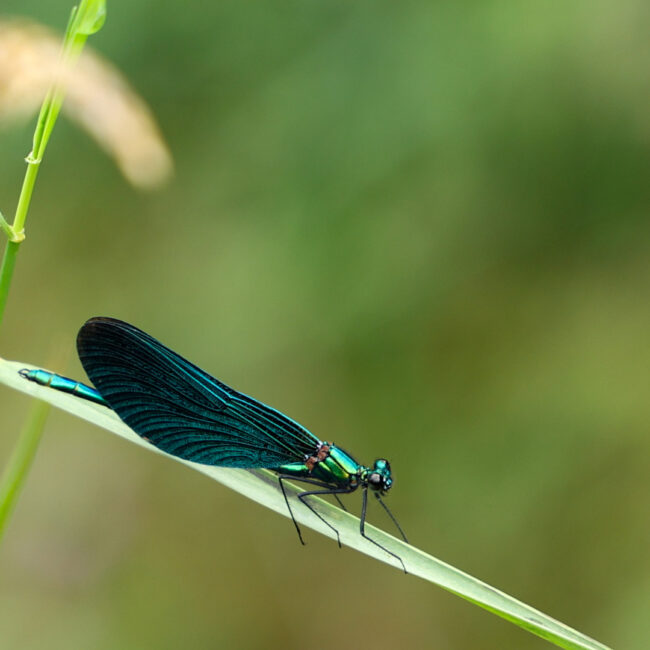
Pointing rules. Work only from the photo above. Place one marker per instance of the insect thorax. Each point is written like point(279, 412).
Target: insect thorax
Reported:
point(328, 464)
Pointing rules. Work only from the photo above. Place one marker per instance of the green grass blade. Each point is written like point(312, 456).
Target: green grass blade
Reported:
point(21, 459)
point(262, 486)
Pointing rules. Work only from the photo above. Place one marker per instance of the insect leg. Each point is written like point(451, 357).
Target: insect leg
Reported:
point(390, 514)
point(286, 500)
point(336, 496)
point(362, 530)
point(327, 489)
point(330, 490)
point(311, 481)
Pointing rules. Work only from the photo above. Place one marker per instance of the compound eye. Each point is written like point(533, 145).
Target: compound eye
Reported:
point(382, 464)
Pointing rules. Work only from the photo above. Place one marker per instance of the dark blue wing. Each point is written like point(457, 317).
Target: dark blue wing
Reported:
point(180, 408)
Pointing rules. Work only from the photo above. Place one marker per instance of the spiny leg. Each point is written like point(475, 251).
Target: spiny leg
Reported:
point(328, 490)
point(334, 492)
point(390, 514)
point(336, 496)
point(286, 500)
point(362, 530)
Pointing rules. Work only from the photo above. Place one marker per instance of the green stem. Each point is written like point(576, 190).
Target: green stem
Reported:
point(21, 459)
point(26, 194)
point(11, 249)
point(84, 20)
point(6, 273)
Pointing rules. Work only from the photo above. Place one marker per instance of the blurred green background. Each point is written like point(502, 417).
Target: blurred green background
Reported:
point(421, 229)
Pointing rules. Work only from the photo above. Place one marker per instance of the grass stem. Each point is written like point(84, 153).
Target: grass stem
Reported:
point(17, 468)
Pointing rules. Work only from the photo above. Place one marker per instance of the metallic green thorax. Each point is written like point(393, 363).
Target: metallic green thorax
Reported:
point(335, 467)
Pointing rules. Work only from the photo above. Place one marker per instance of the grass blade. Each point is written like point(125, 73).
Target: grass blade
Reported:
point(18, 465)
point(262, 486)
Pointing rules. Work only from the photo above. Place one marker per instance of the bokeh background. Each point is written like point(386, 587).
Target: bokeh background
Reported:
point(421, 229)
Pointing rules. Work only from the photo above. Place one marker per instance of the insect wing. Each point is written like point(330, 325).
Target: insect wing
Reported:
point(181, 409)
